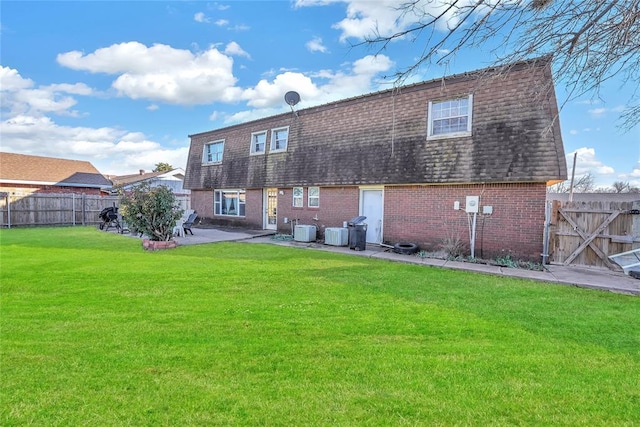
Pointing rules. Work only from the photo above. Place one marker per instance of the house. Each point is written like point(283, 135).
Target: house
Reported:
point(174, 179)
point(23, 174)
point(463, 159)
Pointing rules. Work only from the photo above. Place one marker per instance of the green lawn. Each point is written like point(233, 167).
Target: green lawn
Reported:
point(97, 332)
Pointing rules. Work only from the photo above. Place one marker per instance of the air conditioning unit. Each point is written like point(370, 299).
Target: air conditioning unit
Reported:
point(304, 233)
point(336, 236)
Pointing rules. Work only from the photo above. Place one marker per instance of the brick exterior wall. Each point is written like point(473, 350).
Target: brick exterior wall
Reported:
point(202, 203)
point(421, 214)
point(337, 204)
point(425, 215)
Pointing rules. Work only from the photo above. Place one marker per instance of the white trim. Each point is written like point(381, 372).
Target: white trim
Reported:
point(252, 152)
point(380, 188)
point(466, 133)
point(204, 152)
point(315, 197)
point(293, 197)
point(272, 140)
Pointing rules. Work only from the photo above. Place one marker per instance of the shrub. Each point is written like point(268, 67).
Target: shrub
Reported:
point(453, 246)
point(150, 210)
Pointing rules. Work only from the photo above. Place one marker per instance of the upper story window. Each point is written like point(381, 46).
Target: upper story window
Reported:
point(258, 142)
point(314, 197)
point(213, 152)
point(279, 139)
point(450, 118)
point(298, 194)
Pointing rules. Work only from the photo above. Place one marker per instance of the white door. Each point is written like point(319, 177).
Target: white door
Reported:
point(270, 204)
point(371, 207)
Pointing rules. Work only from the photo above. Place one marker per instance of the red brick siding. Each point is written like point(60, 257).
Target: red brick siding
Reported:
point(422, 214)
point(425, 215)
point(202, 203)
point(337, 204)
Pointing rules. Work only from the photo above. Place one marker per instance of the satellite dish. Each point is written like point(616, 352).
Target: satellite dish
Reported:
point(292, 98)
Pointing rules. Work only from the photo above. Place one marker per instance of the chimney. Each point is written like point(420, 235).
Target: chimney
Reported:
point(141, 171)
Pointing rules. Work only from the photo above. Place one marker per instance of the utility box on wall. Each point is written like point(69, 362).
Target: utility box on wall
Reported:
point(304, 233)
point(472, 204)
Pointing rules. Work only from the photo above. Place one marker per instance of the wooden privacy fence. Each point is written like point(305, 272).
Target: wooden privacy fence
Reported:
point(38, 209)
point(586, 233)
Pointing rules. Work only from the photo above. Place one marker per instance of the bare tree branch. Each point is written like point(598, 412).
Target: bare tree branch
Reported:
point(591, 42)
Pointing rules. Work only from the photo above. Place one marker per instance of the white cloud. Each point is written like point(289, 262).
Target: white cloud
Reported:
point(161, 72)
point(234, 49)
point(221, 22)
point(600, 112)
point(315, 45)
point(587, 162)
point(111, 151)
point(366, 18)
point(218, 6)
point(573, 132)
point(20, 96)
point(153, 107)
point(201, 17)
point(267, 96)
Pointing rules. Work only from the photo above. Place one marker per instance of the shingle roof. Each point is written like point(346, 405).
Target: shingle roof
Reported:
point(382, 138)
point(135, 178)
point(22, 168)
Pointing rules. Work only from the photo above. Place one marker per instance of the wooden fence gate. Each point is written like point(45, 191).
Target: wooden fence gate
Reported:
point(586, 233)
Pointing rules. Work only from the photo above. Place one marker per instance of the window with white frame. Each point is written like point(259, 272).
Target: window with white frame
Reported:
point(279, 139)
point(314, 197)
point(450, 118)
point(258, 142)
point(229, 202)
point(298, 195)
point(213, 152)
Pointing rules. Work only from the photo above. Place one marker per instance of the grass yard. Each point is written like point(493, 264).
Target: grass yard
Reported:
point(97, 332)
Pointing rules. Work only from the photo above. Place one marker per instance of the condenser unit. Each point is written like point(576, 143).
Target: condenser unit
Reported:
point(304, 233)
point(336, 236)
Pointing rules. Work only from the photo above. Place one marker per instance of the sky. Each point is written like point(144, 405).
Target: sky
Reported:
point(122, 84)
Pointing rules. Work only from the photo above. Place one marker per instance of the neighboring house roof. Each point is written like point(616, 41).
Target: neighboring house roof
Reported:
point(38, 170)
point(381, 138)
point(142, 176)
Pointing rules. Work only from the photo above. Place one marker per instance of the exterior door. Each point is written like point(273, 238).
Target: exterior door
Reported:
point(371, 206)
point(271, 208)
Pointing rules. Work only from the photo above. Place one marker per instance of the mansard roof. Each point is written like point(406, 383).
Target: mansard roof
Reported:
point(381, 138)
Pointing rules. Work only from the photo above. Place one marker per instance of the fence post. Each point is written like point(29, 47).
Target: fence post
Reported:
point(84, 209)
point(635, 225)
point(7, 196)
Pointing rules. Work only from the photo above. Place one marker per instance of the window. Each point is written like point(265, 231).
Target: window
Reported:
point(213, 152)
point(449, 118)
point(279, 139)
point(258, 142)
point(314, 197)
point(298, 194)
point(229, 202)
